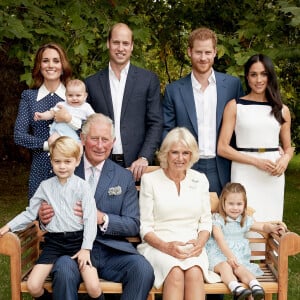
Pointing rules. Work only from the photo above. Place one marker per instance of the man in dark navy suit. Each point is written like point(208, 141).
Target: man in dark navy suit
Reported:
point(130, 96)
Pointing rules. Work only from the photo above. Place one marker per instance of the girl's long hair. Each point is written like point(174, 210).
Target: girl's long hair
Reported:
point(229, 188)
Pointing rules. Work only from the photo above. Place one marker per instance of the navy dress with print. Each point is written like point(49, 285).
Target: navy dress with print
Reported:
point(32, 135)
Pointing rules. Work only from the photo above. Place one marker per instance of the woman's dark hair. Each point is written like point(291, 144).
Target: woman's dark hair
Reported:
point(272, 90)
point(37, 76)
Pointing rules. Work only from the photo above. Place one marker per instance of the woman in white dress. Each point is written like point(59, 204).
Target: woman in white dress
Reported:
point(176, 219)
point(261, 123)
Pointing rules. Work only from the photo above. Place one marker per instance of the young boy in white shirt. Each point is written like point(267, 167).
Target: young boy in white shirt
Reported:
point(67, 234)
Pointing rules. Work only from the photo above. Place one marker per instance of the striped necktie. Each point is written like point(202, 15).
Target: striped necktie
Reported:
point(93, 179)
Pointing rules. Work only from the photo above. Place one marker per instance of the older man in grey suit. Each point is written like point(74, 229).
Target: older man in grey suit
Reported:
point(197, 102)
point(117, 217)
point(130, 96)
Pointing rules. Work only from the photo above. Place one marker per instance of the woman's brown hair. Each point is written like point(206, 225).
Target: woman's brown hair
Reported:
point(37, 76)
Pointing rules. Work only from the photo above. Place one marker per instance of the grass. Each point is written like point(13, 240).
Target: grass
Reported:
point(13, 191)
point(291, 218)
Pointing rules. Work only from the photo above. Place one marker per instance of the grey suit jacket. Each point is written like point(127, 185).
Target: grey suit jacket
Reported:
point(141, 114)
point(179, 110)
point(122, 209)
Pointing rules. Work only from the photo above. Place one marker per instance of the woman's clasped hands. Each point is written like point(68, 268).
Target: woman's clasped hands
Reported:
point(273, 168)
point(182, 250)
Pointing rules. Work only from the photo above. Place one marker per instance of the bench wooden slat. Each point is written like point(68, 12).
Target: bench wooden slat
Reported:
point(273, 281)
point(257, 253)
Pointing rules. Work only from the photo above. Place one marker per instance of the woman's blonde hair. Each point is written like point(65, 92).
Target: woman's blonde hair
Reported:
point(67, 146)
point(229, 188)
point(178, 135)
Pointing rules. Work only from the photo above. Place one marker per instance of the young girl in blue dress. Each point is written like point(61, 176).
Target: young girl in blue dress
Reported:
point(228, 249)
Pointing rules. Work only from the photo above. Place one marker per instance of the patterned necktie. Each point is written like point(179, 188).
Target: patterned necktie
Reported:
point(93, 179)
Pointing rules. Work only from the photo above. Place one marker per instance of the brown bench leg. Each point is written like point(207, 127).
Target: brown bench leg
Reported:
point(151, 297)
point(268, 297)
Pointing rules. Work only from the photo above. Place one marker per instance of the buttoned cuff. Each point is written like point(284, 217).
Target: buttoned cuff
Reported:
point(46, 146)
point(104, 226)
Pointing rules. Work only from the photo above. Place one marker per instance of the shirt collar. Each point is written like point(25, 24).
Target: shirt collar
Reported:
point(124, 70)
point(196, 84)
point(43, 92)
point(69, 179)
point(88, 165)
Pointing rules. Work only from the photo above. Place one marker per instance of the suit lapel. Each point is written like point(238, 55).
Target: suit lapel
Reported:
point(221, 97)
point(107, 174)
point(105, 87)
point(79, 171)
point(187, 96)
point(130, 83)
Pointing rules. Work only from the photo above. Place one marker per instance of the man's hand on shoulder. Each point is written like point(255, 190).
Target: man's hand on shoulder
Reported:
point(46, 213)
point(138, 167)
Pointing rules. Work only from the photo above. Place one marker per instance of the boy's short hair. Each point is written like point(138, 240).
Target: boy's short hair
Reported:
point(67, 146)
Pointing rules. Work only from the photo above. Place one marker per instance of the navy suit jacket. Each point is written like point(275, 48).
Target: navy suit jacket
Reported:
point(141, 114)
point(180, 111)
point(122, 210)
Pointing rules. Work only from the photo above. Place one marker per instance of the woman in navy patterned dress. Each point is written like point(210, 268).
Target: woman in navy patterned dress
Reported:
point(50, 73)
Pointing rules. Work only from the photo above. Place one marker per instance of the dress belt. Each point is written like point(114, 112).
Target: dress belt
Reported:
point(260, 150)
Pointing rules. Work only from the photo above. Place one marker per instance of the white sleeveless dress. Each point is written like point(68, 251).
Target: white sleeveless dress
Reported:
point(256, 127)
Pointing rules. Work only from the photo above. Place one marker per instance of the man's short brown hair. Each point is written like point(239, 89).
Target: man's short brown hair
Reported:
point(202, 34)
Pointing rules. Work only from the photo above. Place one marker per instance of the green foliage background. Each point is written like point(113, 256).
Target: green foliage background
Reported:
point(161, 27)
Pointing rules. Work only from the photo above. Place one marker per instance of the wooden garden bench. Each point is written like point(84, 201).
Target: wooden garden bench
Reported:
point(23, 249)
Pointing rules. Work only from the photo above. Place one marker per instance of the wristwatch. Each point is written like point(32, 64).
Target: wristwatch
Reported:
point(144, 158)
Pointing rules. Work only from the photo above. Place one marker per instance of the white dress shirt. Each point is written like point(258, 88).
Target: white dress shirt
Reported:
point(117, 88)
point(88, 170)
point(97, 172)
point(206, 108)
point(63, 198)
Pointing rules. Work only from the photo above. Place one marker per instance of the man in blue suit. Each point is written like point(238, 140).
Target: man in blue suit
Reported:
point(118, 217)
point(197, 102)
point(130, 96)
